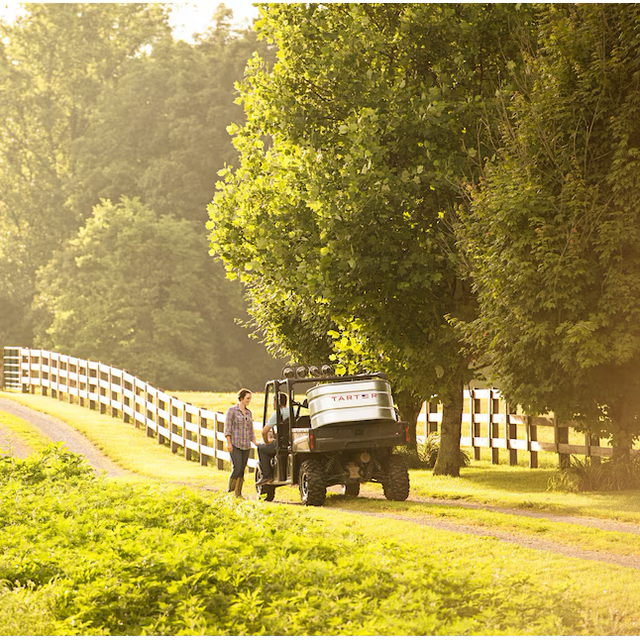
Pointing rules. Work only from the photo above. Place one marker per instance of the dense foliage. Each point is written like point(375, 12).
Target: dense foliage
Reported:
point(99, 102)
point(339, 214)
point(621, 474)
point(141, 290)
point(54, 63)
point(362, 138)
point(85, 556)
point(554, 229)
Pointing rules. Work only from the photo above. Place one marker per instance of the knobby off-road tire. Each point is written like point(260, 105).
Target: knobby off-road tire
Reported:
point(396, 486)
point(265, 492)
point(313, 490)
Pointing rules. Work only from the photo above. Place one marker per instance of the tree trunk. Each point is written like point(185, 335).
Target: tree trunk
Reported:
point(622, 432)
point(448, 460)
point(409, 406)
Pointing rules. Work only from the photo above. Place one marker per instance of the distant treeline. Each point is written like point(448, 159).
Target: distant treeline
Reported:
point(111, 137)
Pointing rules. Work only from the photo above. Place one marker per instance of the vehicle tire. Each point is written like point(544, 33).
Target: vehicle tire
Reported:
point(396, 485)
point(265, 492)
point(352, 489)
point(313, 490)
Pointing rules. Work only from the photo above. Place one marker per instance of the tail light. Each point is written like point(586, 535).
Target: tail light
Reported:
point(406, 433)
point(311, 440)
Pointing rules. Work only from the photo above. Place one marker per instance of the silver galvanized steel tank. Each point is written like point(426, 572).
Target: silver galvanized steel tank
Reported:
point(353, 401)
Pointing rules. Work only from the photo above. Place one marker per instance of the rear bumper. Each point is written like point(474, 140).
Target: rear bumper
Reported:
point(350, 437)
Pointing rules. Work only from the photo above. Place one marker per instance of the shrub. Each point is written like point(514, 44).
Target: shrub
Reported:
point(53, 463)
point(87, 556)
point(609, 475)
point(425, 454)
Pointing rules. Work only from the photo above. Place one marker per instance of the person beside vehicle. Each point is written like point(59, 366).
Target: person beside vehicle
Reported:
point(267, 450)
point(238, 430)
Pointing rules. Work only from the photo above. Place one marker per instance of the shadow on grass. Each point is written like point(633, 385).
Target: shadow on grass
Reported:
point(516, 480)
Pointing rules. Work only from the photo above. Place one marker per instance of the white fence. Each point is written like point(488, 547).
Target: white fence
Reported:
point(197, 433)
point(489, 423)
point(194, 432)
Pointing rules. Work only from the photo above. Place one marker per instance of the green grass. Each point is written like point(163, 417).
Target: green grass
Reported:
point(23, 432)
point(583, 537)
point(463, 584)
point(80, 556)
point(503, 486)
point(127, 446)
point(220, 402)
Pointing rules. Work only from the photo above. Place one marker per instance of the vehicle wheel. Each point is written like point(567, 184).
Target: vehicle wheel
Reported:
point(265, 492)
point(352, 489)
point(396, 486)
point(313, 490)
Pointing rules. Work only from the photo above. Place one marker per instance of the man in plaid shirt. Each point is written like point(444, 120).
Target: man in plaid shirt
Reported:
point(238, 430)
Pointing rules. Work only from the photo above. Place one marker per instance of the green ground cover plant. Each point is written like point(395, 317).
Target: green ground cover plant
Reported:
point(481, 484)
point(88, 556)
point(23, 431)
point(588, 475)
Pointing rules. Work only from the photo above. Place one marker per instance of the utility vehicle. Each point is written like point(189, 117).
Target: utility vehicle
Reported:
point(338, 430)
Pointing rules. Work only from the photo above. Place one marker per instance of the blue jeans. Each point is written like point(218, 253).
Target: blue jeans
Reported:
point(265, 454)
point(239, 459)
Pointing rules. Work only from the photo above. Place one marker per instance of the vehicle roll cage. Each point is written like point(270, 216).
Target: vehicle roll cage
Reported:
point(286, 385)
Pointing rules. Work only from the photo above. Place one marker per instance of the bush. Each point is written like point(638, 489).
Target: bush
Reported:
point(414, 457)
point(609, 475)
point(425, 454)
point(87, 556)
point(53, 463)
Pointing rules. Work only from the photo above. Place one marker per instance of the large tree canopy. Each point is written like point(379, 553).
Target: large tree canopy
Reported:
point(354, 149)
point(141, 290)
point(99, 102)
point(554, 234)
point(54, 63)
point(161, 133)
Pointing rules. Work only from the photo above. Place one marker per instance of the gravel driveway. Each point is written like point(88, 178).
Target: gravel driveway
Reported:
point(56, 431)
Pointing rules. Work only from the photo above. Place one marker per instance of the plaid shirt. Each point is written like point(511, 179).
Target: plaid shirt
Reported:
point(239, 427)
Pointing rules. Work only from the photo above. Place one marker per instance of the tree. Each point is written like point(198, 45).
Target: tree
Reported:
point(160, 134)
point(98, 101)
point(351, 159)
point(140, 291)
point(554, 228)
point(54, 63)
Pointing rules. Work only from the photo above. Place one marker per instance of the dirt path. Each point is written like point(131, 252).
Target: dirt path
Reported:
point(584, 521)
point(12, 445)
point(58, 431)
point(522, 540)
point(511, 537)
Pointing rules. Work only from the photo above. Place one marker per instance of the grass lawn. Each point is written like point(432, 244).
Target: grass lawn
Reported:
point(481, 482)
point(547, 593)
point(220, 402)
point(23, 431)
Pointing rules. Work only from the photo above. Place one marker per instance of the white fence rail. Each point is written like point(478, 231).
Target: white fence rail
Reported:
point(195, 432)
point(488, 423)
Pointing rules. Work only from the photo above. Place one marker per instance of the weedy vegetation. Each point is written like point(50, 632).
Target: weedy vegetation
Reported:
point(141, 554)
point(606, 475)
point(85, 556)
